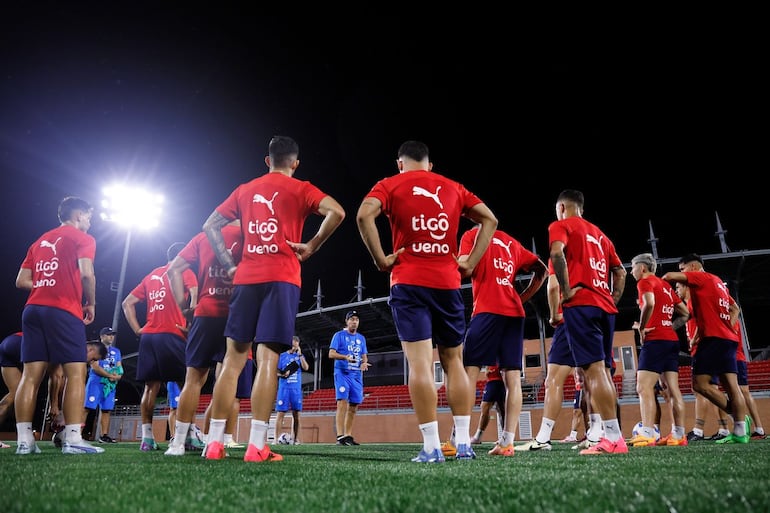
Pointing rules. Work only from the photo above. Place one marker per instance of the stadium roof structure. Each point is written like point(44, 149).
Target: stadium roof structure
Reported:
point(746, 272)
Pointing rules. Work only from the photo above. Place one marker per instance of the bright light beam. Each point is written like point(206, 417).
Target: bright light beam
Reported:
point(129, 207)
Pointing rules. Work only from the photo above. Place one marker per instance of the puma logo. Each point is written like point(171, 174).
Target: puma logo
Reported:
point(590, 238)
point(668, 293)
point(258, 198)
point(156, 277)
point(506, 247)
point(419, 191)
point(52, 245)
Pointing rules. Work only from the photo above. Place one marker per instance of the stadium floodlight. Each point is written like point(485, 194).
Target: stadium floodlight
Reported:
point(131, 208)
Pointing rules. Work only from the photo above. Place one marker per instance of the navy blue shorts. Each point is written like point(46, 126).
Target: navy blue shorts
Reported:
point(590, 330)
point(715, 356)
point(205, 340)
point(265, 312)
point(10, 352)
point(494, 339)
point(743, 373)
point(422, 313)
point(659, 356)
point(246, 380)
point(494, 392)
point(161, 358)
point(560, 352)
point(52, 335)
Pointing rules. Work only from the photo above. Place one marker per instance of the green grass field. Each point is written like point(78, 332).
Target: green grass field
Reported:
point(703, 478)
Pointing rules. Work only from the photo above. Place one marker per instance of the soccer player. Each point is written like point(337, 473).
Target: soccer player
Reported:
point(206, 338)
point(591, 279)
point(162, 338)
point(659, 356)
point(272, 210)
point(496, 330)
point(58, 272)
point(716, 314)
point(424, 209)
point(348, 350)
point(10, 369)
point(494, 394)
point(291, 363)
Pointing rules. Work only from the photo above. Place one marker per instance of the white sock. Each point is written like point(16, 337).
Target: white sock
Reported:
point(546, 426)
point(258, 433)
point(612, 430)
point(430, 438)
point(24, 432)
point(228, 438)
point(507, 439)
point(147, 431)
point(72, 433)
point(217, 430)
point(462, 429)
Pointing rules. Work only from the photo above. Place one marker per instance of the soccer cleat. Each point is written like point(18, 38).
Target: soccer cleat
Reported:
point(757, 436)
point(642, 441)
point(465, 452)
point(534, 445)
point(475, 441)
point(448, 449)
point(81, 447)
point(58, 439)
point(174, 450)
point(433, 457)
point(692, 437)
point(663, 440)
point(106, 439)
point(232, 444)
point(734, 439)
point(148, 444)
point(344, 440)
point(214, 451)
point(193, 443)
point(606, 447)
point(257, 455)
point(27, 448)
point(499, 450)
point(569, 440)
point(717, 437)
point(585, 444)
point(673, 442)
point(351, 440)
point(4, 445)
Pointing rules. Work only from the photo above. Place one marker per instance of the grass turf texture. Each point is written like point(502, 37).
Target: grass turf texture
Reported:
point(704, 477)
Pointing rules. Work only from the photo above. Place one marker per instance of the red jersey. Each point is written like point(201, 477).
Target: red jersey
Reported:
point(272, 209)
point(214, 286)
point(590, 255)
point(493, 373)
point(163, 314)
point(53, 260)
point(495, 275)
point(710, 301)
point(665, 301)
point(424, 210)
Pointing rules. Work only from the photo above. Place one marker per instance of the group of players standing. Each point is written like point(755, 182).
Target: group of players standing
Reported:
point(247, 288)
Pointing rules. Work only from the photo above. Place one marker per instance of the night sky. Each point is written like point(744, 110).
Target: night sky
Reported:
point(659, 128)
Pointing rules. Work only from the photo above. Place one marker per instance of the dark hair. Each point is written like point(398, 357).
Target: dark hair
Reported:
point(572, 195)
point(102, 348)
point(174, 249)
point(691, 257)
point(69, 205)
point(282, 150)
point(414, 150)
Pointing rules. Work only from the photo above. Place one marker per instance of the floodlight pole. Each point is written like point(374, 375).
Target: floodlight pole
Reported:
point(121, 282)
